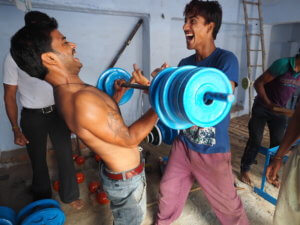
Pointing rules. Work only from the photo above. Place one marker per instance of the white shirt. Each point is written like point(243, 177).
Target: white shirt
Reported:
point(34, 93)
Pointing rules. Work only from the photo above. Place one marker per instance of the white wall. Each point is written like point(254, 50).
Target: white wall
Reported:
point(100, 27)
point(281, 11)
point(284, 41)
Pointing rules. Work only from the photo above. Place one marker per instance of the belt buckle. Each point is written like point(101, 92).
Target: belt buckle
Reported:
point(47, 110)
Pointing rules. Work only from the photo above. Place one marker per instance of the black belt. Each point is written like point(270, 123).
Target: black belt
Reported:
point(46, 110)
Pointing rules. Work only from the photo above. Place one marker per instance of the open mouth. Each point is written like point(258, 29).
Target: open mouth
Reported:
point(189, 37)
point(74, 53)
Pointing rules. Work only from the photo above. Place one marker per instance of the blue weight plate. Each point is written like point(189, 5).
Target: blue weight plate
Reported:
point(206, 80)
point(179, 104)
point(168, 133)
point(6, 222)
point(156, 136)
point(161, 128)
point(115, 74)
point(44, 203)
point(177, 93)
point(155, 81)
point(170, 96)
point(175, 133)
point(165, 116)
point(171, 119)
point(165, 97)
point(7, 216)
point(106, 82)
point(49, 216)
point(158, 107)
point(101, 79)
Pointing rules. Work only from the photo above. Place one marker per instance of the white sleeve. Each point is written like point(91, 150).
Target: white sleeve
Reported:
point(10, 71)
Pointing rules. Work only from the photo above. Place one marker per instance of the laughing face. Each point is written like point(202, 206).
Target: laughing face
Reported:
point(196, 31)
point(65, 51)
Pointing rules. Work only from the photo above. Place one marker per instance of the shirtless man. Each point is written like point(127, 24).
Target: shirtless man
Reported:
point(94, 116)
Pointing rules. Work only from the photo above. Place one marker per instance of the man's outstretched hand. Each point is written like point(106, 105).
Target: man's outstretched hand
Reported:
point(138, 77)
point(157, 70)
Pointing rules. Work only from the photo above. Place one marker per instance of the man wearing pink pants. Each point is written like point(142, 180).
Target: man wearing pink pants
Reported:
point(203, 154)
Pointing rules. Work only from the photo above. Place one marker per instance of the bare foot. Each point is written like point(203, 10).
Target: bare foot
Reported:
point(276, 182)
point(77, 204)
point(245, 178)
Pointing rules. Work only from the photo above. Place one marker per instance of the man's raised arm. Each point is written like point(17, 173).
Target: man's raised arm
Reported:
point(105, 122)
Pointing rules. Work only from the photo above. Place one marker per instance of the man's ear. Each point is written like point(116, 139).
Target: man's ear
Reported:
point(49, 58)
point(211, 27)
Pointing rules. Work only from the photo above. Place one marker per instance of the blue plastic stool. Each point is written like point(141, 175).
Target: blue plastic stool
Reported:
point(268, 152)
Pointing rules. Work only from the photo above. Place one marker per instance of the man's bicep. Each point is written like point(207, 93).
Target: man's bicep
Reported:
point(10, 71)
point(266, 77)
point(10, 91)
point(230, 66)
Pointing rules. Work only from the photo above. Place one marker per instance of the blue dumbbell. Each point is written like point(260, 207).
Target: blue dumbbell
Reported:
point(41, 212)
point(182, 96)
point(161, 133)
point(189, 95)
point(107, 79)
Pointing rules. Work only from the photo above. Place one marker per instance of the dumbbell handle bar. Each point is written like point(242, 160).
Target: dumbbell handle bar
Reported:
point(208, 95)
point(135, 86)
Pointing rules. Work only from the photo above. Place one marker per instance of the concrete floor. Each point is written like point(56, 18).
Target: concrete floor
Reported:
point(15, 185)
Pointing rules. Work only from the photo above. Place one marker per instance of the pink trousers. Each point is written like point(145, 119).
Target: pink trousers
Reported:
point(213, 173)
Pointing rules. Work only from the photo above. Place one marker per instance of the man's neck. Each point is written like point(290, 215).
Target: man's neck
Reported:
point(204, 51)
point(57, 78)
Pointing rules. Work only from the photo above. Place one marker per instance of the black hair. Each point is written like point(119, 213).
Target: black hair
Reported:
point(211, 11)
point(36, 17)
point(29, 43)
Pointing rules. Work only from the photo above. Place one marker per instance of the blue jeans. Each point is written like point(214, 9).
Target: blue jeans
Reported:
point(127, 198)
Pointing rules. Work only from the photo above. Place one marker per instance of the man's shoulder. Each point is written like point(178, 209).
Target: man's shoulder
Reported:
point(280, 66)
point(282, 61)
point(187, 60)
point(225, 54)
point(89, 96)
point(85, 94)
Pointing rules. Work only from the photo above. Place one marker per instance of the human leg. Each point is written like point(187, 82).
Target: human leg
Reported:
point(34, 127)
point(287, 210)
point(175, 185)
point(277, 125)
point(61, 139)
point(256, 127)
point(127, 198)
point(214, 174)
